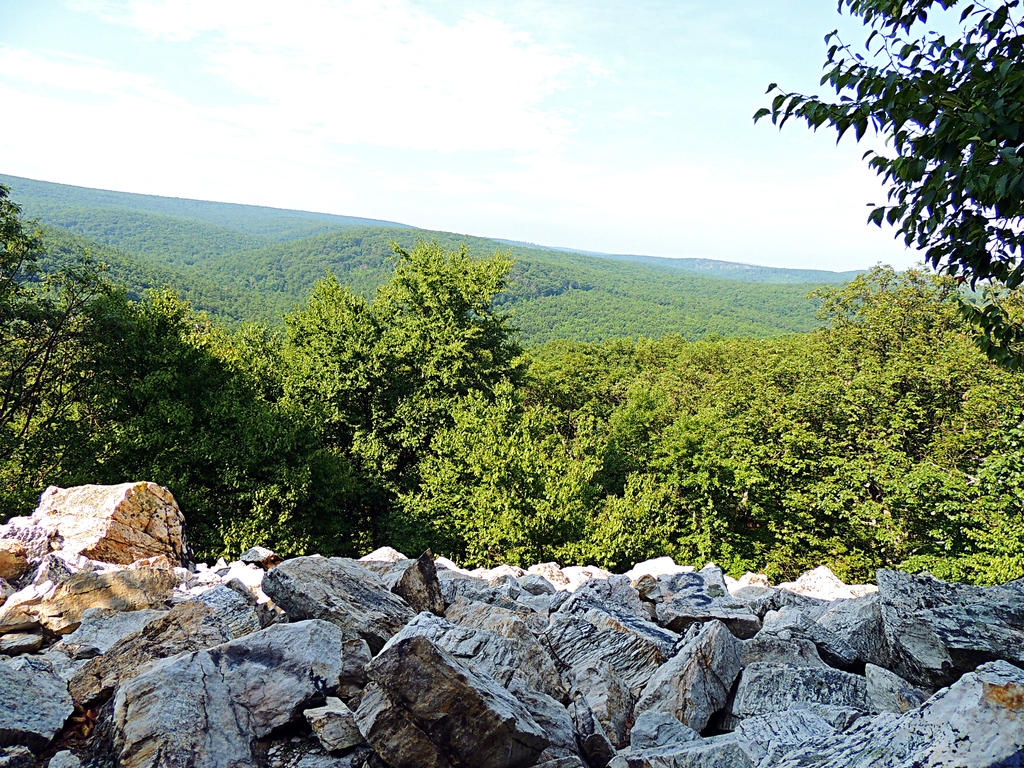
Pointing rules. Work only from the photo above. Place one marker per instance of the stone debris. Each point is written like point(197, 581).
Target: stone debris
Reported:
point(115, 650)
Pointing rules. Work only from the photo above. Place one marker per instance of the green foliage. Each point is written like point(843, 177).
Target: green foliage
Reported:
point(950, 110)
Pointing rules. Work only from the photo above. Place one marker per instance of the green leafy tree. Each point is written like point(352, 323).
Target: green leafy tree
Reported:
point(950, 110)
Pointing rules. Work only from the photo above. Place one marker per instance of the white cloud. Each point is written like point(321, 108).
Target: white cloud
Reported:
point(381, 73)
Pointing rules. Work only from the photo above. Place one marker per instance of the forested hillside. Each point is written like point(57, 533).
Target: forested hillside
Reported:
point(416, 418)
point(248, 263)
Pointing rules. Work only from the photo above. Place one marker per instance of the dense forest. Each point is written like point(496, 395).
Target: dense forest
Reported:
point(245, 263)
point(408, 412)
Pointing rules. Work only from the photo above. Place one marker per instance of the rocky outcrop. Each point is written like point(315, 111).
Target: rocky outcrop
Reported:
point(341, 591)
point(424, 709)
point(206, 708)
point(937, 631)
point(388, 661)
point(111, 523)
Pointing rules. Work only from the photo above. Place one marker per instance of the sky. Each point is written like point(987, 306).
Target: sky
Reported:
point(593, 124)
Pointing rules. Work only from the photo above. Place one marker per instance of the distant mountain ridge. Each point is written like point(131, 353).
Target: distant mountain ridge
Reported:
point(251, 263)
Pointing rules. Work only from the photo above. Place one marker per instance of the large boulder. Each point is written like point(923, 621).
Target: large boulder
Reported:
point(113, 523)
point(13, 559)
point(101, 628)
point(823, 584)
point(186, 627)
point(695, 683)
point(767, 688)
point(778, 732)
point(415, 581)
point(60, 608)
point(508, 658)
point(339, 590)
point(206, 708)
point(35, 702)
point(691, 598)
point(978, 722)
point(936, 631)
point(425, 709)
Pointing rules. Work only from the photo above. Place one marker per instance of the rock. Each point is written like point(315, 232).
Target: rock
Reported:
point(562, 762)
point(978, 722)
point(834, 649)
point(551, 573)
point(236, 607)
point(60, 610)
point(888, 692)
point(858, 624)
point(16, 643)
point(341, 591)
point(16, 757)
point(779, 732)
point(578, 575)
point(656, 568)
point(594, 743)
point(303, 751)
point(825, 585)
point(633, 647)
point(64, 759)
point(383, 555)
point(13, 559)
point(35, 702)
point(334, 725)
point(717, 752)
point(480, 591)
point(607, 696)
point(186, 627)
point(261, 556)
point(613, 592)
point(768, 688)
point(113, 523)
point(6, 590)
point(554, 720)
point(772, 649)
point(425, 709)
point(689, 598)
point(514, 656)
point(660, 730)
point(696, 682)
point(101, 628)
point(416, 582)
point(535, 584)
point(936, 631)
point(205, 708)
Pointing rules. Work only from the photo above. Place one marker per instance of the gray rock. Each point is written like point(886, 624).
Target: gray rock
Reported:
point(261, 556)
point(35, 700)
point(690, 598)
point(858, 623)
point(772, 649)
point(101, 628)
point(554, 720)
point(614, 594)
point(204, 709)
point(634, 648)
point(341, 591)
point(425, 709)
point(695, 683)
point(768, 688)
point(717, 752)
point(937, 631)
point(888, 692)
point(237, 610)
point(416, 582)
point(834, 649)
point(594, 743)
point(64, 759)
point(608, 697)
point(186, 627)
point(535, 584)
point(660, 730)
point(17, 757)
point(563, 762)
point(779, 732)
point(477, 590)
point(383, 555)
point(508, 658)
point(334, 726)
point(306, 752)
point(978, 722)
point(17, 643)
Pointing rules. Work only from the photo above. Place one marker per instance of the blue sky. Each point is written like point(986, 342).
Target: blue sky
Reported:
point(608, 126)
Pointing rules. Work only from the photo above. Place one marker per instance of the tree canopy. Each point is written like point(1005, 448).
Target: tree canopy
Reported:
point(950, 110)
